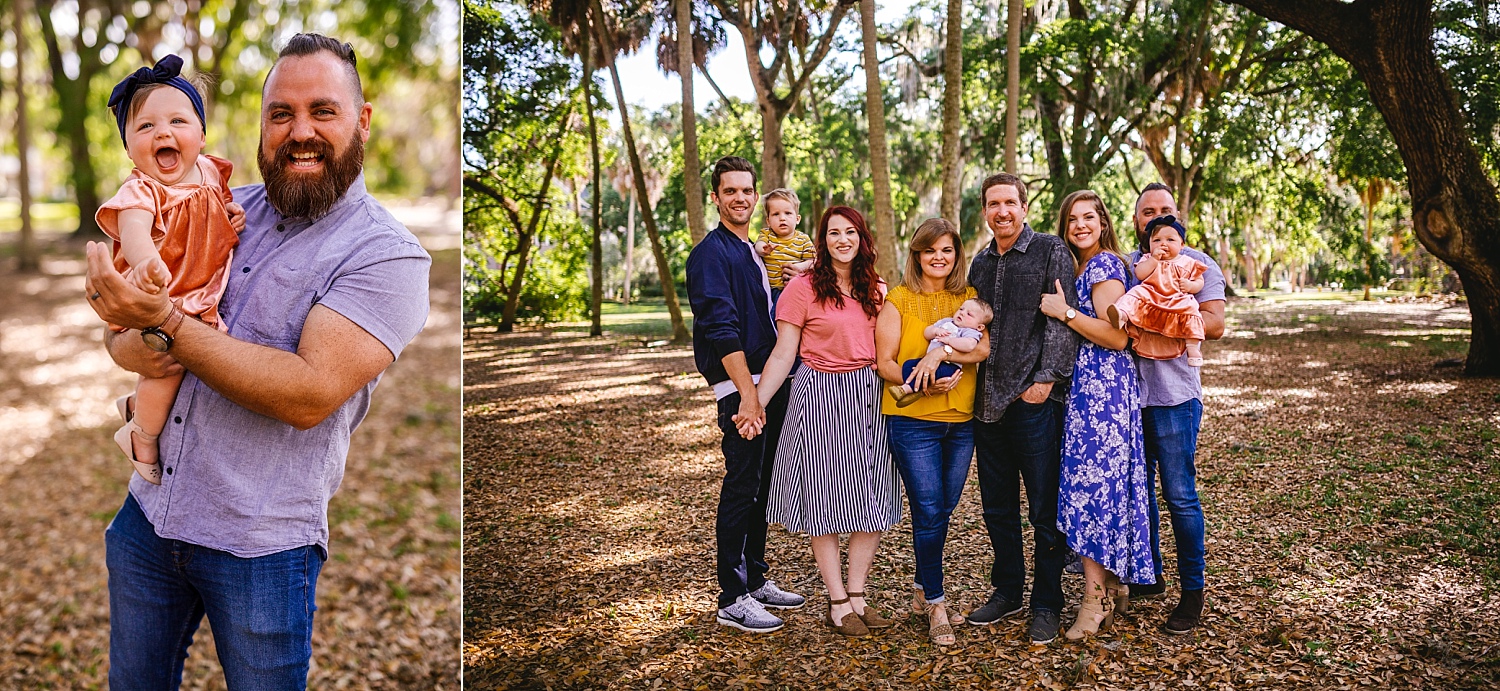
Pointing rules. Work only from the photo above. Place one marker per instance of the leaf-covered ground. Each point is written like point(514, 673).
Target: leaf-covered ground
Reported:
point(388, 599)
point(1349, 486)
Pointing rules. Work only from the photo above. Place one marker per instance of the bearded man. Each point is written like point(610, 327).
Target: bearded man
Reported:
point(325, 290)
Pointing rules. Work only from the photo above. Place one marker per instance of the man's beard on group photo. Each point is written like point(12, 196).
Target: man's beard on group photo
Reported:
point(295, 195)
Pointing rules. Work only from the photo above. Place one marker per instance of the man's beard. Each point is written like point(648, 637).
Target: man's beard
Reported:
point(298, 195)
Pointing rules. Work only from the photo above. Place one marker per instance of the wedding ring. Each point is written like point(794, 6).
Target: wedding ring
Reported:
point(95, 296)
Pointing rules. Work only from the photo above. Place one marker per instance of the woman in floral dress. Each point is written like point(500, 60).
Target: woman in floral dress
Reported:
point(1102, 502)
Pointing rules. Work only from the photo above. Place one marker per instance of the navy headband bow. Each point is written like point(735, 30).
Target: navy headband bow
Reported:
point(166, 72)
point(1160, 221)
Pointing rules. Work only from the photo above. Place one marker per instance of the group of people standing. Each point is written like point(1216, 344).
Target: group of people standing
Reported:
point(835, 390)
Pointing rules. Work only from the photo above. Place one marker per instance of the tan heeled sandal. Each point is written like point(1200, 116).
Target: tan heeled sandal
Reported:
point(150, 472)
point(851, 625)
point(870, 617)
point(1096, 614)
point(919, 606)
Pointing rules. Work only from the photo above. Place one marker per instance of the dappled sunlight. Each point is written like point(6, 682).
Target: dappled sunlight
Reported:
point(1314, 364)
point(1427, 388)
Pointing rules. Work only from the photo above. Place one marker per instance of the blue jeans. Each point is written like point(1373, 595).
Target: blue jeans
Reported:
point(1171, 442)
point(944, 370)
point(740, 525)
point(933, 458)
point(261, 609)
point(1025, 445)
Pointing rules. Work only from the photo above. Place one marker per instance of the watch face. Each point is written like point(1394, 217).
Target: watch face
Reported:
point(156, 340)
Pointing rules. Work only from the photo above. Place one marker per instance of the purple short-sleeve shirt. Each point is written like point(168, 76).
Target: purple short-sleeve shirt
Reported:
point(244, 483)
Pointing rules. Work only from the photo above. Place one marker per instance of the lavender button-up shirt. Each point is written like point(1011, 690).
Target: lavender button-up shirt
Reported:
point(243, 483)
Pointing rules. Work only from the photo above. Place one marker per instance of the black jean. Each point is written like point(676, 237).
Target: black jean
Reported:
point(1025, 445)
point(741, 523)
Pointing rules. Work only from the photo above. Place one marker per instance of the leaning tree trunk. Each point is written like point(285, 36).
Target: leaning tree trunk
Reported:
point(953, 68)
point(596, 292)
point(692, 182)
point(1012, 81)
point(883, 225)
point(523, 245)
point(663, 269)
point(26, 251)
point(1455, 206)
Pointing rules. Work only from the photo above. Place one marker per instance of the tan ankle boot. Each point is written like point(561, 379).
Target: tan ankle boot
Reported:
point(1095, 615)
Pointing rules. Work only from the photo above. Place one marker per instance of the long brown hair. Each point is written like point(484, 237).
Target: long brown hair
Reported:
point(1107, 240)
point(926, 236)
point(864, 283)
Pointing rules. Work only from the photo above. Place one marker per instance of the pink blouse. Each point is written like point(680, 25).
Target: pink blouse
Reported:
point(834, 339)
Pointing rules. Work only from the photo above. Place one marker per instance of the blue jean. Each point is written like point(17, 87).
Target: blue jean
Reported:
point(1025, 445)
point(933, 458)
point(943, 371)
point(1171, 434)
point(740, 525)
point(261, 609)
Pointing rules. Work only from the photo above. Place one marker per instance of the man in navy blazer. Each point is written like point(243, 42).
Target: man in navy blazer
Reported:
point(734, 331)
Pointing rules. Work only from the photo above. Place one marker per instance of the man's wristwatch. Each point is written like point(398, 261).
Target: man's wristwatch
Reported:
point(159, 338)
point(1070, 315)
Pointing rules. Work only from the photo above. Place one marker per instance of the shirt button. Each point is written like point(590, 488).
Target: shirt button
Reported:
point(177, 419)
point(245, 270)
point(280, 226)
point(169, 471)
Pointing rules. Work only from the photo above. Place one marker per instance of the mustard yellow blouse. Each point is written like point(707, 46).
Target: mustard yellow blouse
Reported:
point(919, 311)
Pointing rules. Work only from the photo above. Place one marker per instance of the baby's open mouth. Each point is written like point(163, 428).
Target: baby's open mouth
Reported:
point(167, 158)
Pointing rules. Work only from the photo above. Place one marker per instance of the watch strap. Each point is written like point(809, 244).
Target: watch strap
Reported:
point(173, 321)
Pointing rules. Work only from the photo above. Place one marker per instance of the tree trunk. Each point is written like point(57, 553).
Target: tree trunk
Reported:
point(1455, 206)
point(1012, 80)
point(73, 106)
point(883, 222)
point(523, 246)
point(953, 67)
point(663, 269)
point(596, 292)
point(692, 183)
point(629, 241)
point(26, 252)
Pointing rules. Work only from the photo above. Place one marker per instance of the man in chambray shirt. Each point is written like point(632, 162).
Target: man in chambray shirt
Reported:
point(1171, 410)
point(326, 288)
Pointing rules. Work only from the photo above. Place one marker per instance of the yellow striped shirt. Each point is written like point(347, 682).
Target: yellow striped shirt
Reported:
point(788, 250)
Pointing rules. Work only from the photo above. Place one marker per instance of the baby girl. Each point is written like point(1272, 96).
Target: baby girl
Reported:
point(960, 332)
point(172, 229)
point(1162, 303)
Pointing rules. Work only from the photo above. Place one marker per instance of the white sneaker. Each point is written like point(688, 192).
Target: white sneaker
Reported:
point(747, 614)
point(772, 597)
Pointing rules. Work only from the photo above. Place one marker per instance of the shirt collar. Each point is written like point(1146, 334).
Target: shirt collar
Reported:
point(1021, 242)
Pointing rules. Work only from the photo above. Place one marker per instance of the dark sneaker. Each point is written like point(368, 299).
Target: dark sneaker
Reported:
point(775, 598)
point(1187, 614)
point(1044, 626)
point(994, 610)
point(747, 614)
point(1149, 592)
point(1075, 564)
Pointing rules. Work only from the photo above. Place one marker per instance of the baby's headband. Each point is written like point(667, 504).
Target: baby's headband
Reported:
point(1160, 221)
point(166, 72)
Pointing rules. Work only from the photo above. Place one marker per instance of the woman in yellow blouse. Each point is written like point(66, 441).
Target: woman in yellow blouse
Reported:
point(933, 439)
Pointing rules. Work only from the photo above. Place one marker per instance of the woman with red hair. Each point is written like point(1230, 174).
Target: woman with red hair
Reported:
point(833, 472)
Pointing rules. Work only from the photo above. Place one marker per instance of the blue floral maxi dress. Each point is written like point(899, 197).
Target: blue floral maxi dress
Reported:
point(1102, 502)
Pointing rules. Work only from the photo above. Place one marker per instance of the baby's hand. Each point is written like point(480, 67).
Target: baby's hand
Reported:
point(763, 247)
point(236, 216)
point(153, 277)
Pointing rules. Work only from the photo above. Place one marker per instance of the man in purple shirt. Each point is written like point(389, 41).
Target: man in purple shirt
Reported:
point(325, 290)
point(1171, 410)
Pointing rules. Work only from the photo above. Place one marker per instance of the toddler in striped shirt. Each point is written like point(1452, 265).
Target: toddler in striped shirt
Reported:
point(780, 243)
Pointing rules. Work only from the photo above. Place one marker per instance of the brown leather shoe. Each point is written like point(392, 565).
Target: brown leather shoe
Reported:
point(1186, 616)
point(851, 625)
point(870, 617)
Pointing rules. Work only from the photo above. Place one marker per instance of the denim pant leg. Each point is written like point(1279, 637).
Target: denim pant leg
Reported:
point(1171, 435)
point(1027, 441)
point(153, 611)
point(740, 526)
point(261, 610)
point(933, 458)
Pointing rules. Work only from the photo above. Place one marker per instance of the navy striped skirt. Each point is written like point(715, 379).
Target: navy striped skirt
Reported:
point(833, 471)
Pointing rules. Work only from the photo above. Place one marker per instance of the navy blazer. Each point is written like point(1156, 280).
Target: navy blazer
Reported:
point(731, 308)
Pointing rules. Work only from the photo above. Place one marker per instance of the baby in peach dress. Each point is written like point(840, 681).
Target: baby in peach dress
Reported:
point(172, 229)
point(1160, 312)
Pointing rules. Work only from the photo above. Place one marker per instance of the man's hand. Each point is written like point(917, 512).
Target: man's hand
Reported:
point(1037, 392)
point(131, 354)
point(236, 216)
point(114, 299)
point(751, 418)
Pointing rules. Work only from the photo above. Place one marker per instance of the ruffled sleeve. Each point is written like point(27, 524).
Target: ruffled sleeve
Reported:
point(138, 192)
point(225, 170)
point(1192, 268)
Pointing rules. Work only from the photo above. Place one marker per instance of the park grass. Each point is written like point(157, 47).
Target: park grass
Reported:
point(1348, 473)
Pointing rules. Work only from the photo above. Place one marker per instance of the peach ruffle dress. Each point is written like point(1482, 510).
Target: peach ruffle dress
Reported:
point(1161, 317)
point(191, 231)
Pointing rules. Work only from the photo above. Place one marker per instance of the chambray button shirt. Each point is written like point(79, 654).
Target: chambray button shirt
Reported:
point(243, 483)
